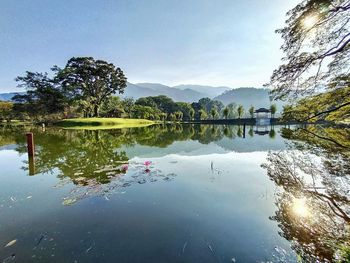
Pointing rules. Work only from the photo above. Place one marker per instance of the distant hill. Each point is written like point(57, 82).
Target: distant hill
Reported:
point(209, 90)
point(153, 89)
point(259, 98)
point(8, 96)
point(190, 93)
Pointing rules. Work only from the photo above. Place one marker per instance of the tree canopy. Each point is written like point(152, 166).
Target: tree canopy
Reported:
point(316, 46)
point(92, 80)
point(44, 95)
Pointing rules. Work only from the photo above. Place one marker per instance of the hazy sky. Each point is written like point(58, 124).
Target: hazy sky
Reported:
point(222, 42)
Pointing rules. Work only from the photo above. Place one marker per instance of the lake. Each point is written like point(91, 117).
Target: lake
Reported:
point(175, 193)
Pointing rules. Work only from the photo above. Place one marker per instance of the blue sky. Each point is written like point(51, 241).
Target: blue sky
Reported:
point(223, 42)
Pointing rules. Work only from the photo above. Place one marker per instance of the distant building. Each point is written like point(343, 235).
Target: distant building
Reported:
point(262, 116)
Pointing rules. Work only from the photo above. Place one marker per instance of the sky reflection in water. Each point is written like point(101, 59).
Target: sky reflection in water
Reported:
point(156, 194)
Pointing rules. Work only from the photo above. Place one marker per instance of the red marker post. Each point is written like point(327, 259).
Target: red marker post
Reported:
point(30, 143)
point(30, 147)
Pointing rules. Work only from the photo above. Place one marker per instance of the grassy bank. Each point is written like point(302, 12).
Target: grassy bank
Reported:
point(102, 123)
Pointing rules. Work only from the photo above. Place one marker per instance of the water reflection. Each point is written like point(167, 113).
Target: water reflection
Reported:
point(95, 161)
point(218, 200)
point(314, 204)
point(77, 152)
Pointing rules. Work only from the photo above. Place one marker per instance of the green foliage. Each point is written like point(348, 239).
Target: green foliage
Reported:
point(162, 102)
point(112, 107)
point(172, 117)
point(251, 131)
point(146, 112)
point(272, 134)
point(128, 104)
point(273, 109)
point(93, 80)
point(207, 104)
point(202, 114)
point(333, 105)
point(94, 123)
point(191, 113)
point(44, 95)
point(174, 110)
point(316, 47)
point(213, 112)
point(178, 115)
point(186, 109)
point(240, 111)
point(232, 110)
point(343, 254)
point(146, 101)
point(251, 112)
point(86, 87)
point(6, 110)
point(226, 112)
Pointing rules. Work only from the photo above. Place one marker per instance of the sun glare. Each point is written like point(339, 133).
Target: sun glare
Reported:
point(310, 21)
point(300, 208)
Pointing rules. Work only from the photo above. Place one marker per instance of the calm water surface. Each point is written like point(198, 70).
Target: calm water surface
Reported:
point(174, 194)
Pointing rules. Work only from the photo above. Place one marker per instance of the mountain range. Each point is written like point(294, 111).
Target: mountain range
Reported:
point(186, 93)
point(259, 98)
point(248, 96)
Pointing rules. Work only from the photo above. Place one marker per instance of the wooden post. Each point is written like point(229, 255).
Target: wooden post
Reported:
point(30, 146)
point(31, 163)
point(30, 143)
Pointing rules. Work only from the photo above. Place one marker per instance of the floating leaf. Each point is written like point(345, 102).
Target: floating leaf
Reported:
point(69, 201)
point(11, 243)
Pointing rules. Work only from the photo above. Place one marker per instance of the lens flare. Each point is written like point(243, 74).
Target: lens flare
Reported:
point(310, 21)
point(300, 208)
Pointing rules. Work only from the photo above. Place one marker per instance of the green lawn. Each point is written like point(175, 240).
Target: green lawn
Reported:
point(103, 123)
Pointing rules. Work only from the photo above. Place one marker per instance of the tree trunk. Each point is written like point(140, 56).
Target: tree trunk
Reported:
point(96, 111)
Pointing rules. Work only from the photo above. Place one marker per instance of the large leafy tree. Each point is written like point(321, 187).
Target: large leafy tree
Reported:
point(207, 104)
point(44, 95)
point(94, 80)
point(316, 46)
point(161, 102)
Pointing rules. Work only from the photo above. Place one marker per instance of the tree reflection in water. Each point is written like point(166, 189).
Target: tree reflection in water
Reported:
point(93, 159)
point(313, 206)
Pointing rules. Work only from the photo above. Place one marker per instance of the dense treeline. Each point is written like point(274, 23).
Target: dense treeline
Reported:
point(159, 107)
point(86, 87)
